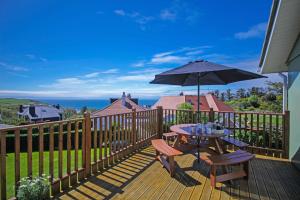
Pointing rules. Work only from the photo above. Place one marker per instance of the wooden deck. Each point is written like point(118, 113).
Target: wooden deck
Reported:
point(141, 177)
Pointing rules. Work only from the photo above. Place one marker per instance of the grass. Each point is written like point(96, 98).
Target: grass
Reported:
point(10, 166)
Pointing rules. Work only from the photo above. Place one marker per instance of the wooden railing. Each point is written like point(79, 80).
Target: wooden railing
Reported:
point(267, 133)
point(69, 151)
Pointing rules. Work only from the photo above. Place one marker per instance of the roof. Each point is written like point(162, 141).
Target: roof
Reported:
point(117, 107)
point(206, 102)
point(41, 112)
point(281, 36)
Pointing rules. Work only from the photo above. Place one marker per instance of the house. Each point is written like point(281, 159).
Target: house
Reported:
point(118, 106)
point(281, 53)
point(206, 102)
point(40, 113)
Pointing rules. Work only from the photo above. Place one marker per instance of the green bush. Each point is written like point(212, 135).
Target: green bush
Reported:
point(35, 189)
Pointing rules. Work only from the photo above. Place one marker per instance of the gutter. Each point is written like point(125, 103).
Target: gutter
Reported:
point(269, 32)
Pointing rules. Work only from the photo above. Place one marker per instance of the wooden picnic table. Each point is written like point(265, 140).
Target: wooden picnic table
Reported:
point(185, 131)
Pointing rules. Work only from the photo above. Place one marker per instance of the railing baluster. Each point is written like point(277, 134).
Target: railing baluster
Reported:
point(3, 164)
point(69, 148)
point(240, 126)
point(100, 138)
point(270, 131)
point(110, 139)
point(251, 128)
point(41, 150)
point(277, 132)
point(105, 140)
point(51, 149)
point(29, 152)
point(257, 129)
point(95, 140)
point(119, 133)
point(76, 145)
point(264, 131)
point(17, 159)
point(60, 151)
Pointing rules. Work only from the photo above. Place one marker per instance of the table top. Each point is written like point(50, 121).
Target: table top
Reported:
point(186, 129)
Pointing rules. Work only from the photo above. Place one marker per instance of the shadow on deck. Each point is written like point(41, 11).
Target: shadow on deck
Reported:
point(141, 177)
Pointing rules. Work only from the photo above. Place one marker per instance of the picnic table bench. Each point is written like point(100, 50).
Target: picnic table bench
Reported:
point(235, 142)
point(238, 157)
point(165, 154)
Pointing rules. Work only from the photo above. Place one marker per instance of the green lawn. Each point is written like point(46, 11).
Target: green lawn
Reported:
point(10, 167)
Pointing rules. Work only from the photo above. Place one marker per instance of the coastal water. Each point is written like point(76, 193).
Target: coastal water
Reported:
point(92, 104)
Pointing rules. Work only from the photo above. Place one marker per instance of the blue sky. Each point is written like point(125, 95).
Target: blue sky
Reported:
point(97, 49)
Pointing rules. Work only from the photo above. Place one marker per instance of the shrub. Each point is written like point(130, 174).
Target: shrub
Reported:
point(34, 189)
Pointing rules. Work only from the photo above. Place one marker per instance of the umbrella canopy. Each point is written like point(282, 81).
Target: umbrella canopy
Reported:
point(202, 72)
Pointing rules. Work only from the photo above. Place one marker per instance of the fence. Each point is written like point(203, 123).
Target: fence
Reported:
point(267, 133)
point(69, 151)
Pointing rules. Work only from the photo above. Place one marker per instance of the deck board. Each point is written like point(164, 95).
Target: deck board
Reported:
point(141, 177)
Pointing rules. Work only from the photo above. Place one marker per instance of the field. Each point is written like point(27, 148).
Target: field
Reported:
point(10, 168)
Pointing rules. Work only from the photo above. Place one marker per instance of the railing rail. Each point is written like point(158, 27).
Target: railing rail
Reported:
point(70, 150)
point(267, 133)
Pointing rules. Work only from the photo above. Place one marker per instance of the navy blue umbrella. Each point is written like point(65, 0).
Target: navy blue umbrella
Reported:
point(202, 72)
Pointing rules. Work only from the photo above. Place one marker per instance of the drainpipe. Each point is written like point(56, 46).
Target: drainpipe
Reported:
point(285, 92)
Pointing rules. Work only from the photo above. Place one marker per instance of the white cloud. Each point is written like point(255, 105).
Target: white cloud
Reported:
point(197, 52)
point(13, 68)
point(92, 75)
point(111, 71)
point(255, 31)
point(167, 14)
point(183, 10)
point(169, 59)
point(138, 18)
point(120, 12)
point(177, 56)
point(140, 63)
point(35, 57)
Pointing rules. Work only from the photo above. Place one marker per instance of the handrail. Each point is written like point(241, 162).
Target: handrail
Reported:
point(94, 142)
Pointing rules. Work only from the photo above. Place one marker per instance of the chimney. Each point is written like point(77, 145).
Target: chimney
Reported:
point(32, 110)
point(20, 108)
point(123, 99)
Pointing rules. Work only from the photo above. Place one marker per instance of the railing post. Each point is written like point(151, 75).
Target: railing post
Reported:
point(159, 121)
point(286, 130)
point(3, 165)
point(133, 128)
point(87, 119)
point(211, 115)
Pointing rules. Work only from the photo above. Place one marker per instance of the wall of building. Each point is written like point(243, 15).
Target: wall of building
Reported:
point(294, 107)
point(294, 103)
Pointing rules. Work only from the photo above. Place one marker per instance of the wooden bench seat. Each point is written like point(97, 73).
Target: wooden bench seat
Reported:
point(235, 142)
point(239, 157)
point(170, 135)
point(165, 154)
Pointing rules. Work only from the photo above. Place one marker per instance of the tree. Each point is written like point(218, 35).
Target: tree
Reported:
point(241, 93)
point(274, 87)
point(222, 96)
point(253, 100)
point(185, 106)
point(217, 93)
point(229, 94)
point(183, 117)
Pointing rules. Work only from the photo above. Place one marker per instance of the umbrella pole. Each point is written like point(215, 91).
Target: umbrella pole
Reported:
point(198, 107)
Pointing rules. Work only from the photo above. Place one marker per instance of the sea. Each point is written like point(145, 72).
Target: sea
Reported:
point(91, 104)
